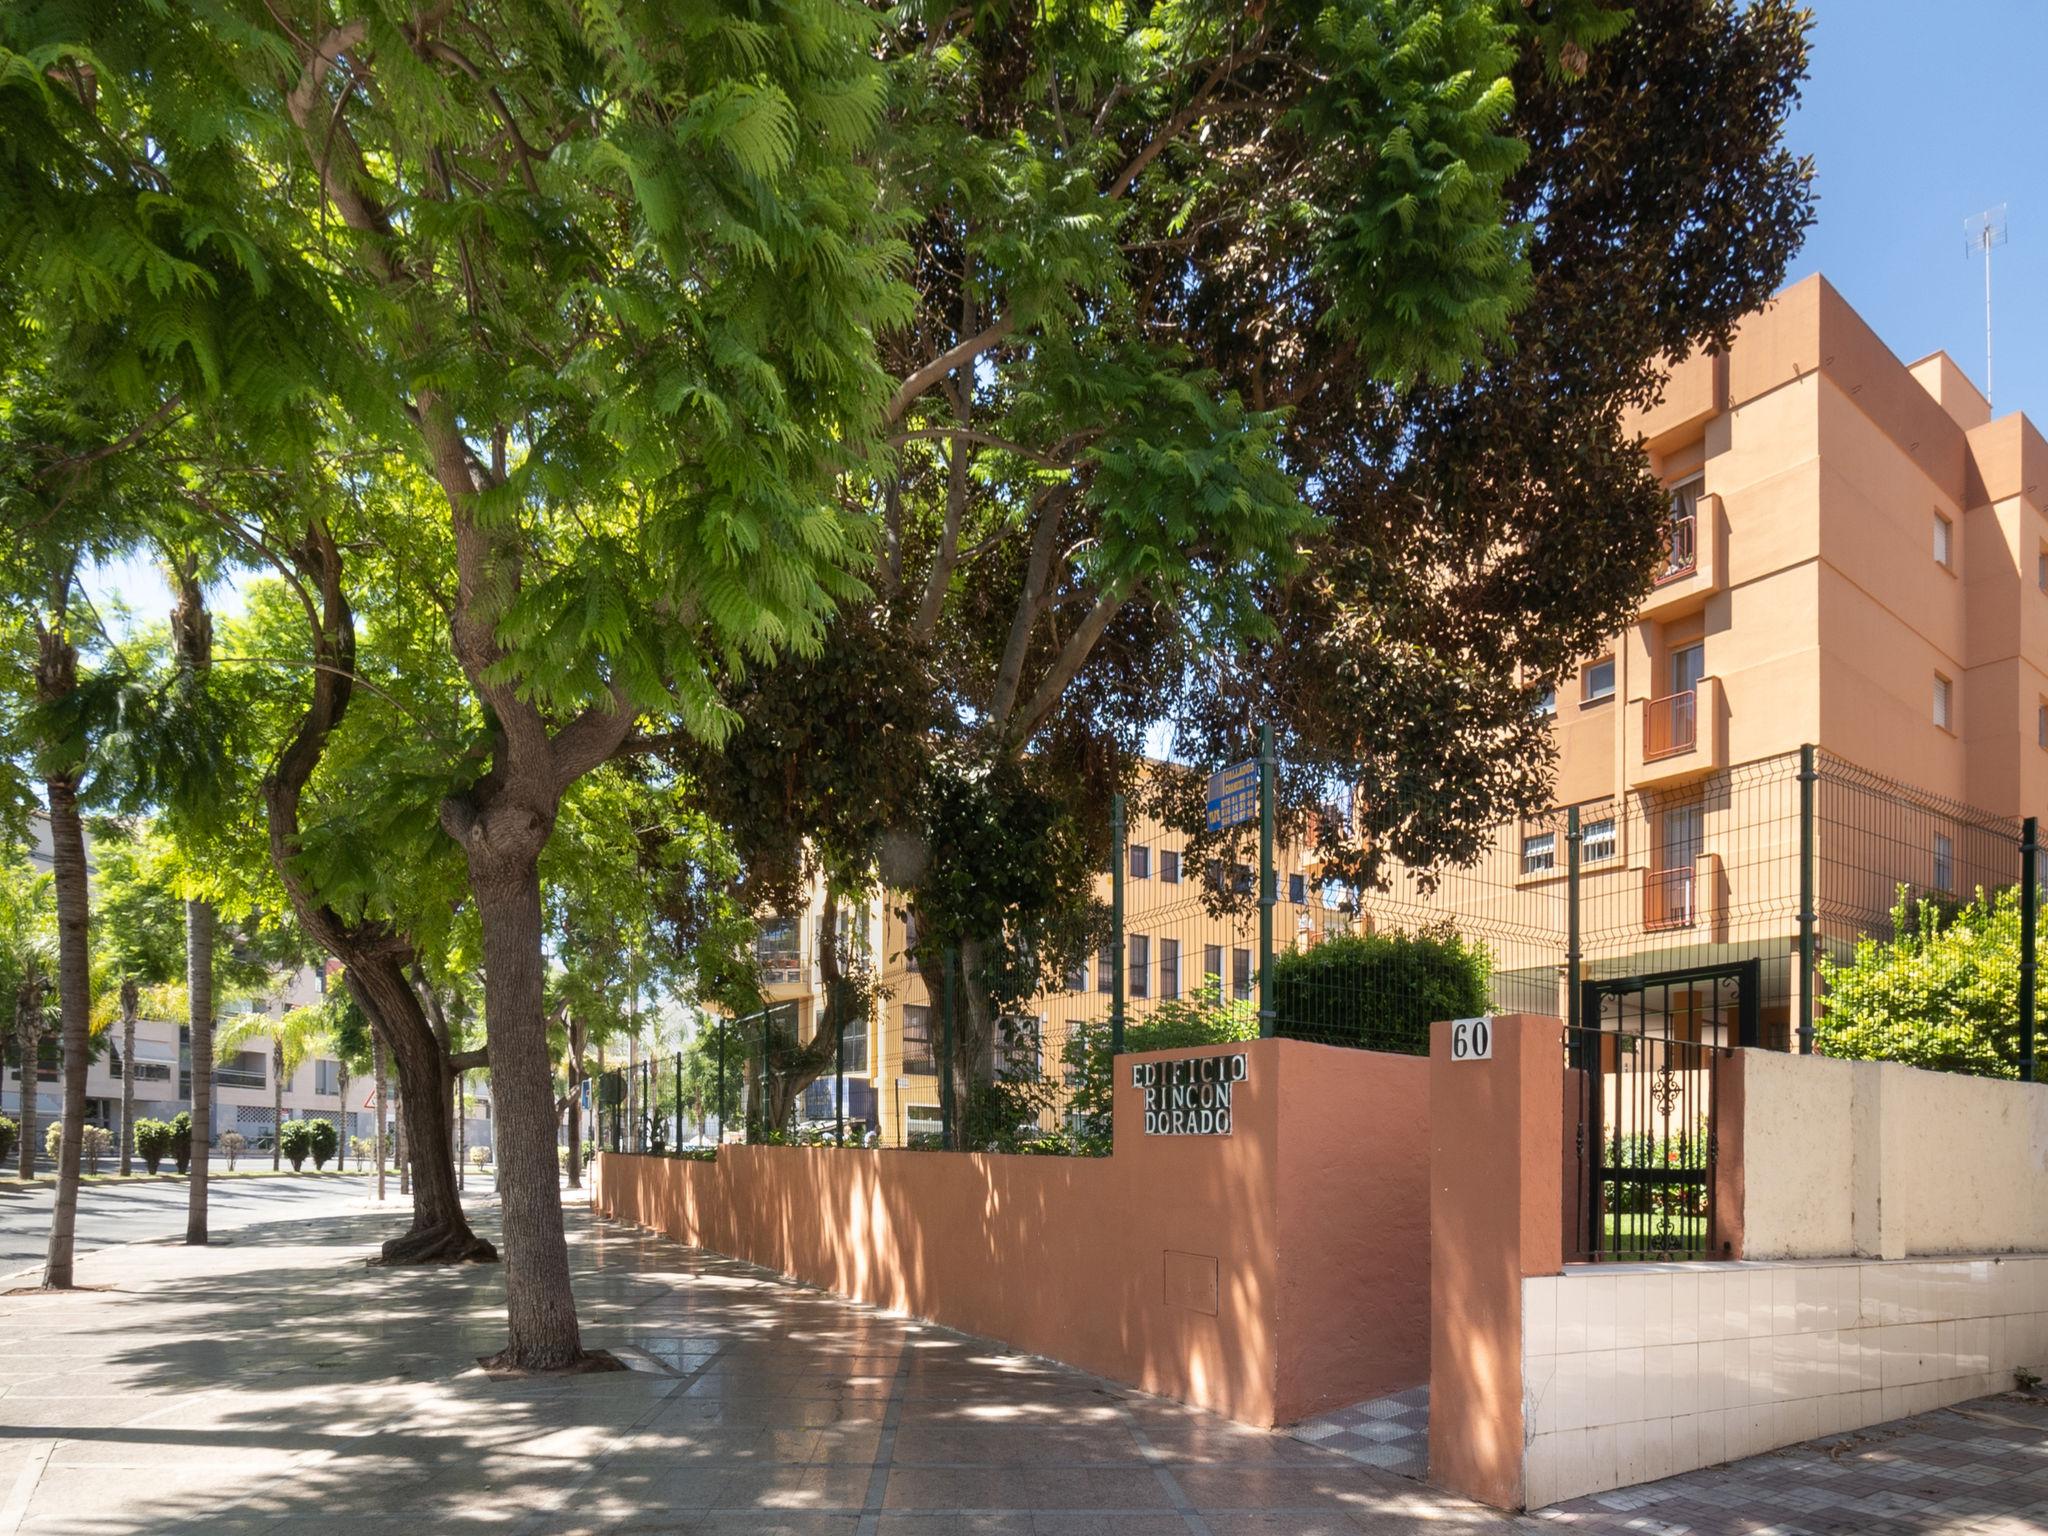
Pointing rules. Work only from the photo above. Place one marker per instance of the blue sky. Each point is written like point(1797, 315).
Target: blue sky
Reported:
point(1917, 116)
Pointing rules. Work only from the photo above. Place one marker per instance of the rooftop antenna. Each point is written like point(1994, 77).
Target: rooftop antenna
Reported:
point(1981, 233)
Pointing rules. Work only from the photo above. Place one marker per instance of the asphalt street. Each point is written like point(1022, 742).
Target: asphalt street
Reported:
point(126, 1213)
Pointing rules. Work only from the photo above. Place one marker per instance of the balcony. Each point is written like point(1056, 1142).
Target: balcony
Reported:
point(1679, 737)
point(1688, 898)
point(1693, 568)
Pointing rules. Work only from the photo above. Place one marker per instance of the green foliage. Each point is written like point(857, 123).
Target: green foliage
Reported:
point(10, 1133)
point(1942, 992)
point(295, 1139)
point(152, 1141)
point(322, 1142)
point(180, 1146)
point(1379, 991)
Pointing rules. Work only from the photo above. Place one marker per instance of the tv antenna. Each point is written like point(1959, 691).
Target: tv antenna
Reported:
point(1981, 233)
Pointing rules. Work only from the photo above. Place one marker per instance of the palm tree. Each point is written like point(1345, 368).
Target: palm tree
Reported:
point(293, 1037)
point(28, 982)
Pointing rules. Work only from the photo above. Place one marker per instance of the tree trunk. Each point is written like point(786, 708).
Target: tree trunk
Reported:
point(130, 1003)
point(540, 1301)
point(461, 1134)
point(377, 1060)
point(74, 1003)
point(575, 1102)
point(199, 927)
point(440, 1231)
point(277, 1106)
point(28, 1040)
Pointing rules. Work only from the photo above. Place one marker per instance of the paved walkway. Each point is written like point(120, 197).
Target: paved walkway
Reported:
point(274, 1384)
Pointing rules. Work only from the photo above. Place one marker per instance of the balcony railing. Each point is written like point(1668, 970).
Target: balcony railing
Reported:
point(1681, 548)
point(1671, 897)
point(238, 1077)
point(1670, 725)
point(145, 1071)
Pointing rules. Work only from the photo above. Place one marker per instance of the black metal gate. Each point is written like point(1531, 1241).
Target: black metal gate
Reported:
point(1640, 1070)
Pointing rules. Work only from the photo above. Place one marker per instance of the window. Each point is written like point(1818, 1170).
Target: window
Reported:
point(1212, 968)
point(1077, 978)
point(917, 1040)
point(1241, 973)
point(2041, 725)
point(853, 1043)
point(1169, 866)
point(2041, 569)
point(1105, 969)
point(1944, 542)
point(1169, 967)
point(923, 1123)
point(1944, 703)
point(1297, 889)
point(1597, 681)
point(1019, 1053)
point(1546, 704)
point(1539, 853)
point(1141, 862)
point(778, 950)
point(1139, 978)
point(1944, 862)
point(1596, 841)
point(327, 1077)
point(912, 936)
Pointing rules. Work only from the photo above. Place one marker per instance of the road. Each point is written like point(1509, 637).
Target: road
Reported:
point(127, 1213)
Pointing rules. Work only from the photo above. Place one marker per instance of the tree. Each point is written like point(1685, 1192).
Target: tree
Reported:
point(1941, 992)
point(28, 980)
point(293, 1036)
point(139, 937)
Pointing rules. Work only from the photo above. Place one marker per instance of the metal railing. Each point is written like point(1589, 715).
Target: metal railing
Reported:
point(1671, 898)
point(1681, 548)
point(1670, 725)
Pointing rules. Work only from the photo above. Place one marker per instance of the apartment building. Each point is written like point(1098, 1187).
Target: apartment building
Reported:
point(1857, 560)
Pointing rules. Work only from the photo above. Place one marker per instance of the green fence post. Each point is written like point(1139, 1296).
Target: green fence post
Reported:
point(948, 1129)
point(677, 1144)
point(1119, 858)
point(1807, 776)
point(1572, 841)
point(1269, 893)
point(2030, 922)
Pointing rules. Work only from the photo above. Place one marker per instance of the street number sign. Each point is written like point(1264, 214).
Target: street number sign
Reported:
point(1472, 1039)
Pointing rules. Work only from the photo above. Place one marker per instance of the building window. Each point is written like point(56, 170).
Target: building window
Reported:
point(1212, 968)
point(1297, 889)
point(2041, 725)
point(1169, 967)
point(1546, 704)
point(853, 1043)
point(1241, 973)
point(911, 937)
point(1141, 862)
point(917, 1040)
point(327, 1077)
point(1539, 853)
point(1944, 703)
point(1019, 1053)
point(1140, 977)
point(923, 1123)
point(1077, 978)
point(779, 951)
point(1944, 542)
point(2041, 569)
point(1169, 866)
point(1105, 969)
point(1597, 681)
point(1944, 862)
point(1596, 840)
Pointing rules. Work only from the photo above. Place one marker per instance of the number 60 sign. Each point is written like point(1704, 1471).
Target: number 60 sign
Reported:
point(1472, 1039)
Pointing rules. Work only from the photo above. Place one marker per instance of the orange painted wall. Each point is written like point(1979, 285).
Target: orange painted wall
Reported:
point(1267, 1274)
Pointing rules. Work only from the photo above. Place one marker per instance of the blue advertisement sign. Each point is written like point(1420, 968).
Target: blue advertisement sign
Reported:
point(1234, 795)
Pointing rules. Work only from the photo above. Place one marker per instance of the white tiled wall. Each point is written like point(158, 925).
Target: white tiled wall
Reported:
point(1639, 1372)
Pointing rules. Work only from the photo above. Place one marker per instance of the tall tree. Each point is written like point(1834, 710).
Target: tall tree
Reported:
point(140, 937)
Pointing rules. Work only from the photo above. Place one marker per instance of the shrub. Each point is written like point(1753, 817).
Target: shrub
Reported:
point(1379, 991)
point(295, 1139)
point(360, 1147)
point(10, 1133)
point(181, 1140)
point(1174, 1023)
point(479, 1157)
point(698, 1154)
point(326, 1139)
point(95, 1142)
point(234, 1143)
point(152, 1141)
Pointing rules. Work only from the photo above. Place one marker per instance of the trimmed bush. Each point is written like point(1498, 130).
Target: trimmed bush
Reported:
point(326, 1139)
point(1379, 991)
point(234, 1143)
point(10, 1133)
point(295, 1139)
point(53, 1138)
point(479, 1158)
point(181, 1140)
point(360, 1147)
point(95, 1142)
point(152, 1141)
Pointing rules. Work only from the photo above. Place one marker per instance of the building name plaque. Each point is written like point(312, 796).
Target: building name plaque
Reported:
point(1189, 1096)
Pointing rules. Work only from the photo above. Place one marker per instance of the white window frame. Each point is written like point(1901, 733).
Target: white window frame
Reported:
point(1944, 863)
point(1944, 703)
point(1596, 846)
point(1587, 695)
point(1944, 541)
point(1539, 845)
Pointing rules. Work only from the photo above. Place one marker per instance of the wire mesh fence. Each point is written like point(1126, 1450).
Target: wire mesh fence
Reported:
point(1794, 903)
